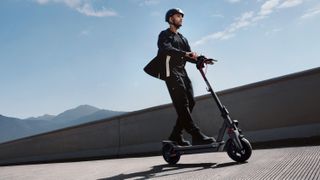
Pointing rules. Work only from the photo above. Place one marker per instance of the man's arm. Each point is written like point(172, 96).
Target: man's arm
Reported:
point(190, 56)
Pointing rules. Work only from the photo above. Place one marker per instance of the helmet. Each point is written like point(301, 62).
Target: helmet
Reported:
point(172, 12)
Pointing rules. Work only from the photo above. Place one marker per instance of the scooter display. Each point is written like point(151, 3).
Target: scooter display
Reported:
point(238, 148)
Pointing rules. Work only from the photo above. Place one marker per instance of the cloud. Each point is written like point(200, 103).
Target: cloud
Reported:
point(82, 6)
point(149, 2)
point(250, 17)
point(290, 3)
point(268, 7)
point(240, 22)
point(243, 21)
point(233, 1)
point(311, 13)
point(88, 10)
point(42, 1)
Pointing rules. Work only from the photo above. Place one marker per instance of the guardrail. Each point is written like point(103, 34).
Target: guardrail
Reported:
point(275, 109)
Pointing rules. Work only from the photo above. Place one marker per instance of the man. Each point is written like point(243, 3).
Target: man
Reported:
point(169, 65)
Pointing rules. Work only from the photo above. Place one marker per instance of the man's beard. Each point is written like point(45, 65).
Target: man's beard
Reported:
point(177, 25)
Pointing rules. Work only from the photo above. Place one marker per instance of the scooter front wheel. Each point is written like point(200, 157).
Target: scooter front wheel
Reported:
point(239, 155)
point(170, 155)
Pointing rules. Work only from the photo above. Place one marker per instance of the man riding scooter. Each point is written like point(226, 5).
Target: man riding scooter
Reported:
point(169, 65)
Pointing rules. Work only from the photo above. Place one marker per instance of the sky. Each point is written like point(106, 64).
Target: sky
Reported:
point(58, 54)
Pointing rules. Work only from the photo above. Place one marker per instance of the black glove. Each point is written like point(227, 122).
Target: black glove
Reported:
point(200, 61)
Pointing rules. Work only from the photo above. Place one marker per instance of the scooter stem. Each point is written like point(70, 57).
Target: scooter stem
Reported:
point(220, 106)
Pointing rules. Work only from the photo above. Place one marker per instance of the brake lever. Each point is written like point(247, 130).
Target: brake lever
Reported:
point(212, 60)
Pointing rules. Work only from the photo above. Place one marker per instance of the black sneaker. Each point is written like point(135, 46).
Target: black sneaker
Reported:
point(198, 138)
point(178, 139)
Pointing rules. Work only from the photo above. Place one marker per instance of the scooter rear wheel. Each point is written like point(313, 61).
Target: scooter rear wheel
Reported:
point(237, 154)
point(170, 155)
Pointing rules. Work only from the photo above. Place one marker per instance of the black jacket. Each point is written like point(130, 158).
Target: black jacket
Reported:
point(169, 56)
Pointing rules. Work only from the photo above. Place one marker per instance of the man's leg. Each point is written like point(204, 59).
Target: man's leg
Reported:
point(175, 87)
point(197, 136)
point(181, 93)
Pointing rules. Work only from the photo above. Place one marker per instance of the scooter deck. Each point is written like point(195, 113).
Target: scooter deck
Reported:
point(217, 146)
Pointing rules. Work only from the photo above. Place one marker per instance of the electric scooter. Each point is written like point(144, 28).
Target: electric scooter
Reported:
point(238, 148)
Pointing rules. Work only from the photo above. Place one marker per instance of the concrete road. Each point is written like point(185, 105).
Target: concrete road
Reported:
point(281, 163)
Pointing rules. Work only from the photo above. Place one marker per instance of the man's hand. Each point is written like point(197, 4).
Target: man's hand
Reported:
point(192, 55)
point(203, 60)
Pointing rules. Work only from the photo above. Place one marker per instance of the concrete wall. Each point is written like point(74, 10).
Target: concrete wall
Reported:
point(280, 108)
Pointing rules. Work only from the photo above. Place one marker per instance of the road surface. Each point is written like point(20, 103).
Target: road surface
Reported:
point(278, 163)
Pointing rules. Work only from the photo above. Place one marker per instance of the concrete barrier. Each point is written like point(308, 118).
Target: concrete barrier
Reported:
point(85, 141)
point(275, 109)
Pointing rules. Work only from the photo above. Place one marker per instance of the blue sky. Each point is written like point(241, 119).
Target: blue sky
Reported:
point(58, 54)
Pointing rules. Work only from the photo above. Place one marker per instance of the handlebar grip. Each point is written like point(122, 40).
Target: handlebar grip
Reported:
point(202, 59)
point(213, 60)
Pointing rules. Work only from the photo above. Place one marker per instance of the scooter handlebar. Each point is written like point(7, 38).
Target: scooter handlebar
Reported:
point(201, 60)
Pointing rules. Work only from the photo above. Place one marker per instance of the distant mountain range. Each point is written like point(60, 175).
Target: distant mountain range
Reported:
point(14, 128)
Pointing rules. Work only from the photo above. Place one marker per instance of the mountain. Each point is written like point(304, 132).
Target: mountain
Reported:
point(14, 128)
point(78, 112)
point(101, 114)
point(8, 128)
point(83, 114)
point(46, 117)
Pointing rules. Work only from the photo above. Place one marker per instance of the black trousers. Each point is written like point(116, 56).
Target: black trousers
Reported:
point(181, 92)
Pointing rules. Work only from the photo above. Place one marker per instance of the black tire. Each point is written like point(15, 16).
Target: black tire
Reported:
point(236, 154)
point(170, 155)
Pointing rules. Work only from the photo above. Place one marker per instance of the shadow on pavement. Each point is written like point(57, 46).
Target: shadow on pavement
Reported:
point(156, 171)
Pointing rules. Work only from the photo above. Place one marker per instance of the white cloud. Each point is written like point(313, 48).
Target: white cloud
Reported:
point(82, 6)
point(42, 1)
point(290, 3)
point(149, 2)
point(268, 7)
point(311, 13)
point(88, 10)
point(248, 18)
point(240, 22)
point(243, 21)
point(233, 1)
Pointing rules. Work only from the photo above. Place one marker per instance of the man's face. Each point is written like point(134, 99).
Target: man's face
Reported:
point(176, 20)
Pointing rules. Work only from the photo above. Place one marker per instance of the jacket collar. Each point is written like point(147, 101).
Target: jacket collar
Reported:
point(172, 33)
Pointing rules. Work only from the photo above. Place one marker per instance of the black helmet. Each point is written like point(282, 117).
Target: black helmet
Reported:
point(172, 12)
